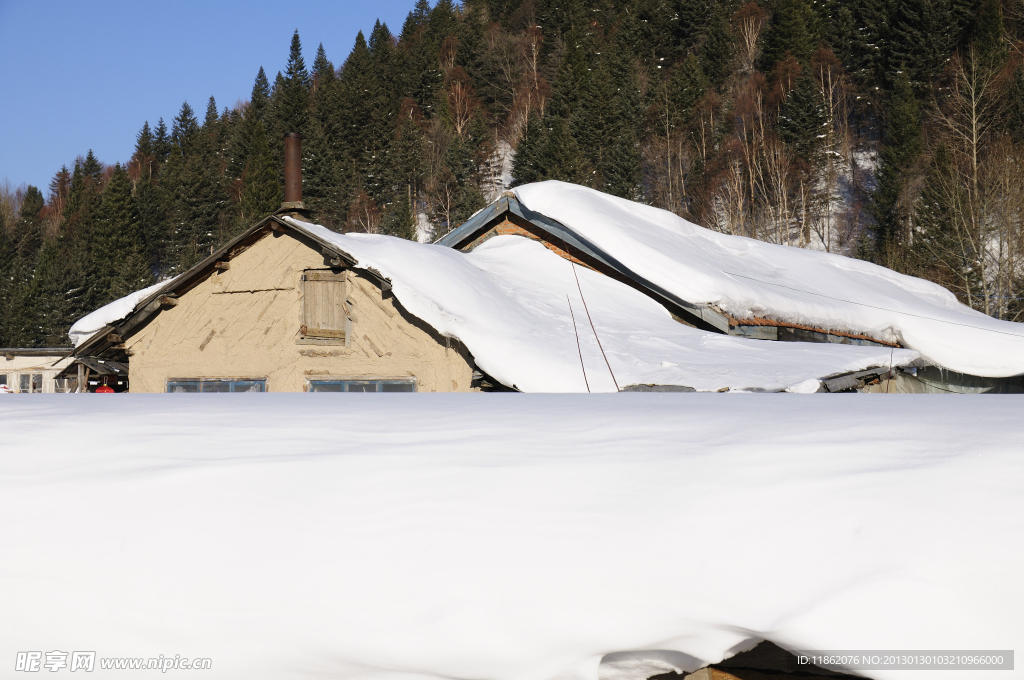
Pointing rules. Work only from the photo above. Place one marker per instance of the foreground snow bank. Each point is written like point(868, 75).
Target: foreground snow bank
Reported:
point(517, 307)
point(354, 536)
point(748, 278)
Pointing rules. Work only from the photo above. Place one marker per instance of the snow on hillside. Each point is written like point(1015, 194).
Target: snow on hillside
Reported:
point(506, 536)
point(748, 278)
point(509, 302)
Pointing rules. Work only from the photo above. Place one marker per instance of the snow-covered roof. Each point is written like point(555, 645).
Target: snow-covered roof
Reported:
point(518, 309)
point(747, 278)
point(97, 320)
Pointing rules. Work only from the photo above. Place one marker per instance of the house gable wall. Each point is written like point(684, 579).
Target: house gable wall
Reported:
point(244, 322)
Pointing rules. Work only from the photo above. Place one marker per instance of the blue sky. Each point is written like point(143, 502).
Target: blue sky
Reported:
point(80, 75)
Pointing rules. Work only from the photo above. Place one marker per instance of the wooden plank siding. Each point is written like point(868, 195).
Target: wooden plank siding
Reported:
point(323, 304)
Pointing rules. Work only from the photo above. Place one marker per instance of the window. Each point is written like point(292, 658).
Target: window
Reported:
point(30, 383)
point(206, 385)
point(323, 304)
point(3, 379)
point(407, 385)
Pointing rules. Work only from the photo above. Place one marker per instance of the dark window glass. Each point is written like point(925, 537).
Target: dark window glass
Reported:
point(362, 385)
point(248, 385)
point(215, 385)
point(326, 386)
point(24, 382)
point(397, 386)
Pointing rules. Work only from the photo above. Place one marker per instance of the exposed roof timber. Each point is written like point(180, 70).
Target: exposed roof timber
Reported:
point(33, 351)
point(104, 366)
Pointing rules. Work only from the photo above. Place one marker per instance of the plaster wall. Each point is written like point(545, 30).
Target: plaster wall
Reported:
point(244, 322)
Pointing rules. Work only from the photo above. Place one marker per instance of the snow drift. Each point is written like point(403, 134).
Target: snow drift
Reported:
point(517, 307)
point(748, 278)
point(506, 537)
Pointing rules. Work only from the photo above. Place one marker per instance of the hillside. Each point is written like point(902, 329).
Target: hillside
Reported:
point(891, 131)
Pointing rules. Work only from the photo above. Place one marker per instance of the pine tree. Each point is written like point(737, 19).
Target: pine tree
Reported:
point(184, 128)
point(320, 185)
point(691, 22)
point(211, 119)
point(987, 36)
point(143, 145)
point(238, 148)
point(120, 260)
point(398, 219)
point(196, 201)
point(351, 115)
point(528, 163)
point(261, 190)
point(921, 36)
point(1015, 106)
point(381, 91)
point(802, 119)
point(148, 200)
point(407, 152)
point(323, 74)
point(8, 309)
point(292, 99)
point(259, 100)
point(687, 85)
point(562, 157)
point(937, 252)
point(902, 146)
point(718, 49)
point(793, 28)
point(161, 143)
point(59, 290)
point(865, 50)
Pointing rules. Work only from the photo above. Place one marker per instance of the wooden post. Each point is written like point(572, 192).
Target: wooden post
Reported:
point(81, 378)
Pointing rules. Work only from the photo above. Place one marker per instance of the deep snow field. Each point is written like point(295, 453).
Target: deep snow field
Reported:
point(506, 536)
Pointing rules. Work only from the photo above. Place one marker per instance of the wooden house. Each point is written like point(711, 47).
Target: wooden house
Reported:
point(278, 309)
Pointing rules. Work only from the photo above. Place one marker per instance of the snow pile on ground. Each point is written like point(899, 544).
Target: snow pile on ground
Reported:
point(506, 536)
point(88, 325)
point(748, 278)
point(514, 304)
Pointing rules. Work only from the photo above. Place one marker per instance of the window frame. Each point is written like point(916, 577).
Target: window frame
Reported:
point(345, 383)
point(199, 383)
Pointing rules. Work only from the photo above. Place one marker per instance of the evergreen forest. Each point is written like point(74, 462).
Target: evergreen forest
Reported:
point(887, 130)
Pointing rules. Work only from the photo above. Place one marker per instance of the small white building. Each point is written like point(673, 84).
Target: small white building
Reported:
point(35, 370)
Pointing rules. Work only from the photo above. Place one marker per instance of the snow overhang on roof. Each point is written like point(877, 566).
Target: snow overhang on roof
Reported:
point(751, 288)
point(508, 203)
